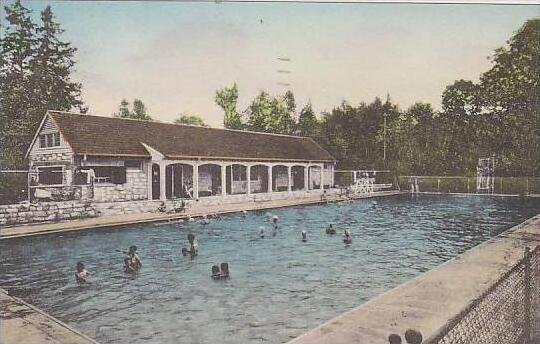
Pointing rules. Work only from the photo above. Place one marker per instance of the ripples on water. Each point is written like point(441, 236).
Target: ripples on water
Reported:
point(279, 288)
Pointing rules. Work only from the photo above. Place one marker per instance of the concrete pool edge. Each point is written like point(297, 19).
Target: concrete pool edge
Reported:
point(21, 322)
point(428, 301)
point(141, 218)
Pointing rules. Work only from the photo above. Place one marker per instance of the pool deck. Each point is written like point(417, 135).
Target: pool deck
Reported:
point(22, 323)
point(17, 231)
point(427, 302)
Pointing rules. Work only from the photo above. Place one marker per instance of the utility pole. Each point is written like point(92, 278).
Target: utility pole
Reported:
point(384, 137)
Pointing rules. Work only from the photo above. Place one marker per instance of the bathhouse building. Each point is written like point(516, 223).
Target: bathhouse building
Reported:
point(105, 159)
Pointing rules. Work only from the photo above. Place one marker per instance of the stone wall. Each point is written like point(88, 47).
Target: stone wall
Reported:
point(134, 189)
point(12, 214)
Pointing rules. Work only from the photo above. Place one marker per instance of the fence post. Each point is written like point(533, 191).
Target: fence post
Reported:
point(527, 295)
point(501, 192)
point(527, 183)
point(468, 190)
point(438, 185)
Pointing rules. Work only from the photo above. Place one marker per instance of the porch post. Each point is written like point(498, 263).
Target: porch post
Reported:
point(162, 182)
point(289, 173)
point(248, 176)
point(195, 180)
point(224, 180)
point(322, 177)
point(270, 189)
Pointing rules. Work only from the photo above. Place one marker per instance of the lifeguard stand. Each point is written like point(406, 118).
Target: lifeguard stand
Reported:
point(485, 181)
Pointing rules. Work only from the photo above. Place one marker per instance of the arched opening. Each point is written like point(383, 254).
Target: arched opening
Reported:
point(155, 181)
point(179, 181)
point(236, 179)
point(314, 177)
point(280, 178)
point(209, 180)
point(297, 177)
point(258, 176)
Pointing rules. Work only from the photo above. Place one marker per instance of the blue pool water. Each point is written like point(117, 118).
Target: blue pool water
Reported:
point(279, 287)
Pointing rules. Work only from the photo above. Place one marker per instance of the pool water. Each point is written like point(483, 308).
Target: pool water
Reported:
point(279, 287)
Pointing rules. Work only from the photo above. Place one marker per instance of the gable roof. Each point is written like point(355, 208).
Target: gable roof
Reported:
point(108, 136)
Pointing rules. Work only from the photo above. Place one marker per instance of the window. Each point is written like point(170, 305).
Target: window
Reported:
point(109, 174)
point(50, 175)
point(49, 140)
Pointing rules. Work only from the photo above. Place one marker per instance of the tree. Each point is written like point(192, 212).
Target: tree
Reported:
point(269, 114)
point(190, 120)
point(307, 121)
point(139, 110)
point(227, 99)
point(35, 76)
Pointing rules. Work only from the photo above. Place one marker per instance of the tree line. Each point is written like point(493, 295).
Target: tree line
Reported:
point(497, 116)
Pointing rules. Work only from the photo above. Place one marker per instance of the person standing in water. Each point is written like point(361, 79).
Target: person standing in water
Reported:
point(193, 246)
point(82, 275)
point(304, 236)
point(347, 237)
point(132, 262)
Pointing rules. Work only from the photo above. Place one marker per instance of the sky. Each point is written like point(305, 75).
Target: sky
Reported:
point(175, 55)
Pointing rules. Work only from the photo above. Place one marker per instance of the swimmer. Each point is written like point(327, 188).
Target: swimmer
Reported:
point(304, 236)
point(215, 272)
point(225, 270)
point(132, 262)
point(82, 275)
point(347, 237)
point(261, 232)
point(244, 213)
point(190, 219)
point(275, 220)
point(394, 339)
point(330, 229)
point(205, 220)
point(193, 247)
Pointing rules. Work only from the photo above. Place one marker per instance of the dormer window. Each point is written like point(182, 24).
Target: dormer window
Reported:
point(49, 140)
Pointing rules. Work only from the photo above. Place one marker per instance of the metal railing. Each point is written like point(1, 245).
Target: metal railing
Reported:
point(458, 184)
point(508, 312)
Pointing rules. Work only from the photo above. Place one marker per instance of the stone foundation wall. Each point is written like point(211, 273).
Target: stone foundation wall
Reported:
point(13, 214)
point(134, 189)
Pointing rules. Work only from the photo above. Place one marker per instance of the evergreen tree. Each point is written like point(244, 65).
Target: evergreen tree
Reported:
point(307, 121)
point(17, 43)
point(34, 77)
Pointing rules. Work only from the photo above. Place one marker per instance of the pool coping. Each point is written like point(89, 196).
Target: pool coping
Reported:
point(114, 221)
point(427, 302)
point(23, 321)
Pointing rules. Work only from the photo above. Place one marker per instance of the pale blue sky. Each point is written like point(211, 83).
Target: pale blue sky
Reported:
point(175, 55)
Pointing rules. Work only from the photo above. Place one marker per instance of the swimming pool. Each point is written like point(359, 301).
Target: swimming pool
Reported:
point(279, 286)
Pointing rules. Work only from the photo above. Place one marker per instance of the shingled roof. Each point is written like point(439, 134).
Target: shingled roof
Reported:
point(107, 136)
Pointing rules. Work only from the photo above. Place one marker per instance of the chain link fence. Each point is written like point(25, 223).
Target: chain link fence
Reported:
point(444, 184)
point(506, 313)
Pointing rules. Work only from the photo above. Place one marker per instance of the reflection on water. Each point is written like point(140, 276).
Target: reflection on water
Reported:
point(279, 286)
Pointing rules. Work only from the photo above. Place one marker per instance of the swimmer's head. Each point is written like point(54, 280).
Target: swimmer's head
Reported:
point(80, 266)
point(132, 249)
point(215, 270)
point(413, 336)
point(191, 237)
point(394, 339)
